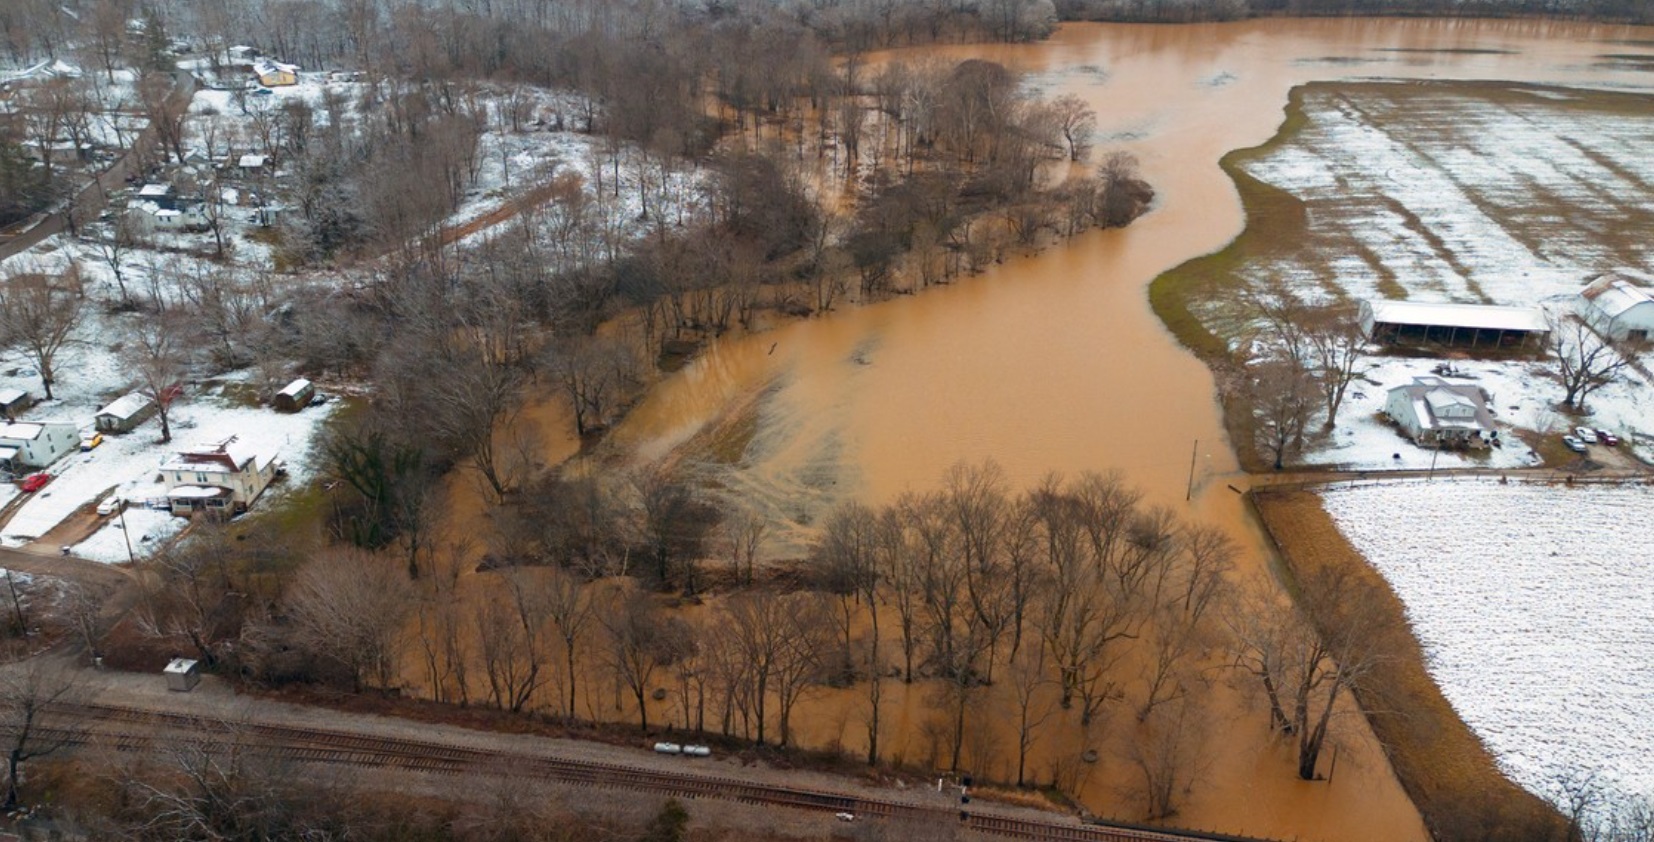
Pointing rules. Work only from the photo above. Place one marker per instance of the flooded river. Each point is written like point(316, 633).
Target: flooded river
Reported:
point(1055, 362)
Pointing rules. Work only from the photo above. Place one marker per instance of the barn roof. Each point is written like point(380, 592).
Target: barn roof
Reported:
point(1477, 316)
point(1616, 292)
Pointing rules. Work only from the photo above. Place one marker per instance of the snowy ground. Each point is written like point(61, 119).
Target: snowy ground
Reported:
point(1471, 193)
point(1524, 398)
point(1532, 604)
point(91, 373)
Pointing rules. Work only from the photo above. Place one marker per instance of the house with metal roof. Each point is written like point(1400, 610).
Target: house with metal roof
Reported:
point(1435, 413)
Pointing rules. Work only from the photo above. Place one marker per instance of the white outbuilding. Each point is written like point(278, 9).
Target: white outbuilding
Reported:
point(1620, 305)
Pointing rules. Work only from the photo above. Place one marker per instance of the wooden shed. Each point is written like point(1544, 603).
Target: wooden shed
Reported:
point(295, 395)
point(13, 402)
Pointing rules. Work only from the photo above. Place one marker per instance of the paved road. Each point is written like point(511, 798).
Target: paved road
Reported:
point(92, 198)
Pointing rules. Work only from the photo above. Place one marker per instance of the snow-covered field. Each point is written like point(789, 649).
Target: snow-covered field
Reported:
point(1470, 193)
point(1533, 606)
point(1480, 195)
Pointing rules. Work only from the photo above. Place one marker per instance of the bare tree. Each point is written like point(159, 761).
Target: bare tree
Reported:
point(1167, 750)
point(1282, 397)
point(641, 642)
point(1304, 668)
point(161, 362)
point(27, 692)
point(1585, 361)
point(351, 607)
point(1077, 122)
point(38, 316)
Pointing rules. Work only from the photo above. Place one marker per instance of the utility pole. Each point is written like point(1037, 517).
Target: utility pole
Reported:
point(1193, 456)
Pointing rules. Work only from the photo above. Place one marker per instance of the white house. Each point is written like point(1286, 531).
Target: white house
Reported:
point(1435, 413)
point(25, 447)
point(1620, 305)
point(151, 218)
point(226, 478)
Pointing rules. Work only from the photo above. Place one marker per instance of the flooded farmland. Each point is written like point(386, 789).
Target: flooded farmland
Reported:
point(1055, 362)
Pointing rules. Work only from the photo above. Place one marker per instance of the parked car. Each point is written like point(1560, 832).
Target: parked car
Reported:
point(845, 817)
point(111, 505)
point(1585, 434)
point(91, 441)
point(1608, 438)
point(1573, 444)
point(34, 482)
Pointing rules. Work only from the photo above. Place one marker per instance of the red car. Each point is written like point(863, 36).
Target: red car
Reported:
point(1608, 438)
point(35, 482)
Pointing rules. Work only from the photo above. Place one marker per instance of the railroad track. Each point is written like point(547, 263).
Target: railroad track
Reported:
point(315, 745)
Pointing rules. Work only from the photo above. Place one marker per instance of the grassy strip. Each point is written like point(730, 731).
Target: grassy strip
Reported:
point(1445, 769)
point(1276, 224)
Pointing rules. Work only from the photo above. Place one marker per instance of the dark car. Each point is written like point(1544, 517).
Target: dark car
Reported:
point(1608, 438)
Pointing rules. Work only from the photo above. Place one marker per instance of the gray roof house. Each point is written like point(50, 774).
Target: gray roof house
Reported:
point(1435, 413)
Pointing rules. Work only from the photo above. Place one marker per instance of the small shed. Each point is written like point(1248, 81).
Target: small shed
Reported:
point(13, 402)
point(295, 396)
point(182, 674)
point(125, 413)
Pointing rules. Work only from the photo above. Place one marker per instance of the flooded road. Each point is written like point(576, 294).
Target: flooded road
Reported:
point(1056, 363)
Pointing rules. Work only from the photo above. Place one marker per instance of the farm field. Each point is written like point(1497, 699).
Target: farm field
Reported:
point(1530, 603)
point(1468, 192)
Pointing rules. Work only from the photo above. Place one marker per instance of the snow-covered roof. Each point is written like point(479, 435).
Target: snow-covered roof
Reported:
point(179, 666)
point(294, 388)
point(1478, 316)
point(7, 453)
point(1616, 292)
point(197, 492)
point(11, 396)
point(21, 432)
point(126, 406)
point(266, 66)
point(155, 190)
point(228, 458)
point(249, 162)
point(1433, 401)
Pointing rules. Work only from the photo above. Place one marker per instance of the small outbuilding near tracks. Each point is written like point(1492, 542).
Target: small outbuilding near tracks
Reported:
point(182, 674)
point(1476, 326)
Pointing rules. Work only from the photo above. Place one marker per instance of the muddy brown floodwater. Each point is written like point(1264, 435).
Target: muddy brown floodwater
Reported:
point(1056, 363)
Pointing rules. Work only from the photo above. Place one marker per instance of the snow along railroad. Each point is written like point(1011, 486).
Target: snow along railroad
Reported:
point(1532, 604)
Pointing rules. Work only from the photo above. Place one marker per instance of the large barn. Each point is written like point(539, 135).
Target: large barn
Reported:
point(1620, 305)
point(1477, 326)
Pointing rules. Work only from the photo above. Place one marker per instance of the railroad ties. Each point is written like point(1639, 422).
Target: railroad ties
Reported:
point(312, 745)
